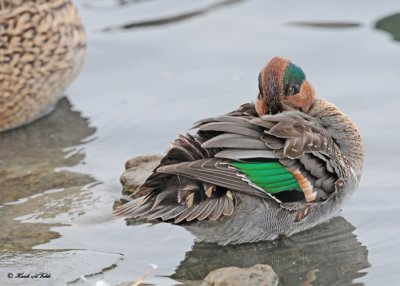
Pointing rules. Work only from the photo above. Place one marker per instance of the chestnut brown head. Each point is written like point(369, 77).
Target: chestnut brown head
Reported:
point(283, 86)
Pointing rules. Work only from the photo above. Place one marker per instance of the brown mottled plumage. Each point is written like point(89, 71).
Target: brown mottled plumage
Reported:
point(42, 50)
point(288, 141)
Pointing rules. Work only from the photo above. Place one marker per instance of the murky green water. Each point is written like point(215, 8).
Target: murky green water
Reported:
point(152, 70)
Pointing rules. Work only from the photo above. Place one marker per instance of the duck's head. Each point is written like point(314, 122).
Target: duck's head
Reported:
point(283, 86)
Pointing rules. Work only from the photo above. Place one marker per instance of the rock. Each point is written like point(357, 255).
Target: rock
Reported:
point(137, 170)
point(257, 275)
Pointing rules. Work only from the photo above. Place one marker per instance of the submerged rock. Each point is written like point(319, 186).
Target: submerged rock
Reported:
point(258, 275)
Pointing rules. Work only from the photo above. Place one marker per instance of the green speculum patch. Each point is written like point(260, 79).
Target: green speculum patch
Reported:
point(272, 177)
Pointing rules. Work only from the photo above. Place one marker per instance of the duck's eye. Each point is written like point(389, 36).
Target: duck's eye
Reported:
point(292, 89)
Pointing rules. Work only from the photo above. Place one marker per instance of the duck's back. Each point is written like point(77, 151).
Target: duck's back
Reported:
point(42, 50)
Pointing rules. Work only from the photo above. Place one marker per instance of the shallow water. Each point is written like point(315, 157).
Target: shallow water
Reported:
point(150, 72)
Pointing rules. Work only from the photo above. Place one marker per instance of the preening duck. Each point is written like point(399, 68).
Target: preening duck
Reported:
point(277, 167)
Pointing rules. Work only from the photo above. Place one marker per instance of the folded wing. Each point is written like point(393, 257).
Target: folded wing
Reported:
point(283, 157)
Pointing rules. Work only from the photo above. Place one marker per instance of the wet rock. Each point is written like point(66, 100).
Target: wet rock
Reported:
point(257, 275)
point(137, 170)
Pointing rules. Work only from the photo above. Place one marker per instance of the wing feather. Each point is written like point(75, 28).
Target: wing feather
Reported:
point(229, 127)
point(229, 140)
point(214, 171)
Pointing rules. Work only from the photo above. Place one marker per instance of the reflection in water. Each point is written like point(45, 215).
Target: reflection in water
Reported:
point(59, 264)
point(327, 25)
point(100, 4)
point(326, 255)
point(30, 185)
point(390, 24)
point(175, 18)
point(126, 2)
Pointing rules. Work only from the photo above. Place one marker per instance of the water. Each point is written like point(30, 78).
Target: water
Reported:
point(150, 72)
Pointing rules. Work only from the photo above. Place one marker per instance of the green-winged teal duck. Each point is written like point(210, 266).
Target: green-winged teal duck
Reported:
point(42, 50)
point(277, 167)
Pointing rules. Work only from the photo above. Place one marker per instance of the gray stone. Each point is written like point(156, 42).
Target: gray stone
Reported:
point(137, 170)
point(257, 275)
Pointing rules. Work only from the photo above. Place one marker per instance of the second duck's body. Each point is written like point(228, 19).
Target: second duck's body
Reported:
point(278, 167)
point(42, 52)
